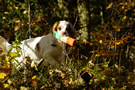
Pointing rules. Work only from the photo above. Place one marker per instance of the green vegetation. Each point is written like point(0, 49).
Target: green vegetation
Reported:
point(105, 43)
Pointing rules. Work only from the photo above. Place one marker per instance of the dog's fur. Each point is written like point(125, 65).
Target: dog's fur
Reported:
point(44, 47)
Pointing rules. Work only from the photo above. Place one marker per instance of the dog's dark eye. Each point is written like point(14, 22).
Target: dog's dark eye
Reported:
point(59, 28)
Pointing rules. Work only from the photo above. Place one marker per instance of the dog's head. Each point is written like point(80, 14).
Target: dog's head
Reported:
point(64, 28)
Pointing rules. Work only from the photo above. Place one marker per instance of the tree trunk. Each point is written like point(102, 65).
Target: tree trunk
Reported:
point(83, 11)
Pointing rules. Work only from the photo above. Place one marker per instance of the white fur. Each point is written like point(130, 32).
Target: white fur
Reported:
point(64, 25)
point(44, 47)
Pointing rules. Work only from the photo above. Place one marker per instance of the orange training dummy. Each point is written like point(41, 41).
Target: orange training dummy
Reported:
point(68, 40)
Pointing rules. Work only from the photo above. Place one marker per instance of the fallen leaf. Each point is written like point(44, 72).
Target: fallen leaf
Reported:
point(63, 75)
point(34, 77)
point(97, 55)
point(116, 66)
point(16, 28)
point(17, 21)
point(34, 65)
point(34, 80)
point(109, 6)
point(70, 81)
point(125, 17)
point(91, 44)
point(16, 8)
point(2, 75)
point(6, 85)
point(6, 12)
point(100, 41)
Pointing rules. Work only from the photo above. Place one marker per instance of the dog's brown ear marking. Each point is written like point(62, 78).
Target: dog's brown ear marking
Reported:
point(59, 28)
point(54, 28)
point(37, 47)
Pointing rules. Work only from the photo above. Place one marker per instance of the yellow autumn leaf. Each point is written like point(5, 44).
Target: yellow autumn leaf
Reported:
point(3, 17)
point(97, 55)
point(6, 65)
point(6, 85)
point(90, 61)
point(61, 6)
point(17, 21)
point(116, 66)
point(62, 75)
point(13, 54)
point(34, 81)
point(24, 12)
point(6, 12)
point(34, 65)
point(109, 6)
point(34, 77)
point(42, 87)
point(117, 43)
point(70, 81)
point(84, 68)
point(100, 41)
point(124, 18)
point(112, 46)
point(2, 75)
point(122, 7)
point(16, 8)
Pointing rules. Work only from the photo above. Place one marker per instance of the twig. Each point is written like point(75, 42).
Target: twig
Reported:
point(75, 21)
point(29, 19)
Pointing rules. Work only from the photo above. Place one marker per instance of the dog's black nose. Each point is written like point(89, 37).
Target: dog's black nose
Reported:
point(63, 33)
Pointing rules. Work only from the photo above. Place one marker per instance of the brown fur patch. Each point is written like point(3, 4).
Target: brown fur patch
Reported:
point(37, 47)
point(59, 28)
point(54, 28)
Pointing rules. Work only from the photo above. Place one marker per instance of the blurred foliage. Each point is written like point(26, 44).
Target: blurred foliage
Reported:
point(108, 53)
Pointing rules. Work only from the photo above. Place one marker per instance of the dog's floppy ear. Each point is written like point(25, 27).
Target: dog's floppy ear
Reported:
point(54, 28)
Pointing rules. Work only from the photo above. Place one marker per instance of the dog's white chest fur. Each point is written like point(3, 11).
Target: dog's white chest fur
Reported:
point(43, 47)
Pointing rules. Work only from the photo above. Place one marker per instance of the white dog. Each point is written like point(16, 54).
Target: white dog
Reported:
point(46, 47)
